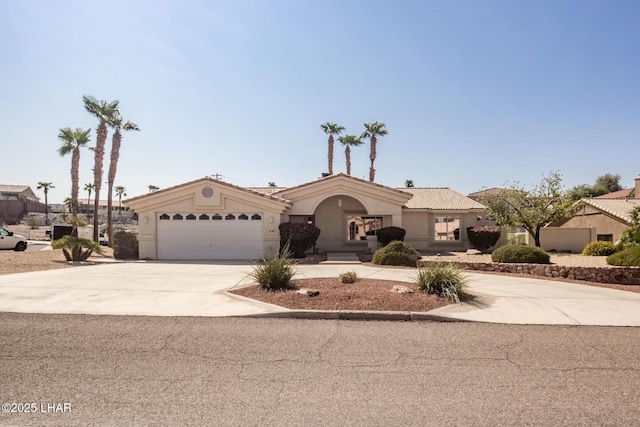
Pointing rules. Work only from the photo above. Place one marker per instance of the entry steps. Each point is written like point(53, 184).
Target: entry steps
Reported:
point(341, 258)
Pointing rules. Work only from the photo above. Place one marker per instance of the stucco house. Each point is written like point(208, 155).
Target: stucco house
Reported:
point(211, 219)
point(16, 201)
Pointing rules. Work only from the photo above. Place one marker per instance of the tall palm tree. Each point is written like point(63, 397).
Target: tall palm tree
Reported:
point(349, 141)
point(46, 186)
point(408, 183)
point(72, 141)
point(120, 191)
point(331, 129)
point(104, 112)
point(153, 188)
point(372, 132)
point(89, 187)
point(118, 125)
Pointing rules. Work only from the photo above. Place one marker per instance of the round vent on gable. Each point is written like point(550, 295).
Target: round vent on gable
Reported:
point(207, 192)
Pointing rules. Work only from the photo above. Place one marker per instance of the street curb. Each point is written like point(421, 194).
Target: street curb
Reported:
point(398, 316)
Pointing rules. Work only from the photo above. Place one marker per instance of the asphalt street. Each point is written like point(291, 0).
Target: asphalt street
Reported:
point(137, 370)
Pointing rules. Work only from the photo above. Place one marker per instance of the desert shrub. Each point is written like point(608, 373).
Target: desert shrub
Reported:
point(76, 248)
point(33, 222)
point(628, 257)
point(125, 245)
point(445, 280)
point(483, 237)
point(299, 236)
point(275, 272)
point(387, 235)
point(520, 253)
point(599, 249)
point(348, 277)
point(396, 253)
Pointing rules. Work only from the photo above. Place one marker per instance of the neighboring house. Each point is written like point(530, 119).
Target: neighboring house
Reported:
point(16, 201)
point(212, 219)
point(84, 208)
point(609, 216)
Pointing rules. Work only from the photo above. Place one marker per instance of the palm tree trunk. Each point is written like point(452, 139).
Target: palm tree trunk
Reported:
point(97, 176)
point(75, 167)
point(347, 155)
point(330, 154)
point(115, 155)
point(372, 157)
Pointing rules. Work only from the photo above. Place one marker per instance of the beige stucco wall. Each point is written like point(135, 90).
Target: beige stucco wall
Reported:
point(565, 239)
point(602, 223)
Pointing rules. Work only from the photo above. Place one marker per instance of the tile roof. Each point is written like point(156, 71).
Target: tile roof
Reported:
point(619, 208)
point(331, 177)
point(486, 192)
point(13, 188)
point(627, 192)
point(440, 199)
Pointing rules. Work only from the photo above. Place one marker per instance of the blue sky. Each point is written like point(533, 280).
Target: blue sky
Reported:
point(474, 93)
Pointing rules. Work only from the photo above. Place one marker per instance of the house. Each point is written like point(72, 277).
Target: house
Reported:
point(16, 201)
point(609, 216)
point(212, 219)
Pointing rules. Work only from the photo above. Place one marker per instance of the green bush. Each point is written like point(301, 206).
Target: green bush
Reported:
point(396, 253)
point(348, 277)
point(274, 273)
point(599, 249)
point(520, 253)
point(299, 236)
point(445, 280)
point(387, 235)
point(483, 237)
point(628, 257)
point(125, 245)
point(76, 248)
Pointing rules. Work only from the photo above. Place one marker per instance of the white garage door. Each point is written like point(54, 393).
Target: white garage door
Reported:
point(210, 236)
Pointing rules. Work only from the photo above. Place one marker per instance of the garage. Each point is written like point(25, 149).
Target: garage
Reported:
point(188, 235)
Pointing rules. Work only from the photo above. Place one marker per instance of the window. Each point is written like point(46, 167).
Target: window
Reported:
point(243, 217)
point(256, 217)
point(447, 228)
point(164, 217)
point(191, 217)
point(177, 217)
point(230, 217)
point(605, 238)
point(216, 217)
point(203, 217)
point(358, 227)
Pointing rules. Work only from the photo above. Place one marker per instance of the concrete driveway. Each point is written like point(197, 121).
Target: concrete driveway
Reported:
point(199, 289)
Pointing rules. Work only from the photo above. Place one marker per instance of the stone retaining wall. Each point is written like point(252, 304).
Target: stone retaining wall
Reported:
point(617, 275)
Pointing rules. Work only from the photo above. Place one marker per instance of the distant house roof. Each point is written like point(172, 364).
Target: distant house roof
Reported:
point(23, 190)
point(619, 208)
point(486, 192)
point(627, 192)
point(440, 199)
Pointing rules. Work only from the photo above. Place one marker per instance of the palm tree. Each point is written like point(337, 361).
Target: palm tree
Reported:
point(349, 141)
point(408, 183)
point(118, 124)
point(331, 129)
point(72, 141)
point(89, 188)
point(152, 188)
point(46, 186)
point(120, 191)
point(372, 132)
point(272, 184)
point(104, 112)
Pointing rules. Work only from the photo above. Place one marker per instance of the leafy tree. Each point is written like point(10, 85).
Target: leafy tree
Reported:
point(72, 141)
point(609, 181)
point(585, 191)
point(408, 183)
point(531, 209)
point(331, 129)
point(89, 187)
point(372, 132)
point(46, 186)
point(120, 191)
point(631, 236)
point(118, 125)
point(153, 188)
point(349, 141)
point(104, 112)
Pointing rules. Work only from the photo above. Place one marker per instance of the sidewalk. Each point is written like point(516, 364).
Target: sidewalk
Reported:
point(199, 289)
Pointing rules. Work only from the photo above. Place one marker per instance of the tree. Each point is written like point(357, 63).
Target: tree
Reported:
point(585, 191)
point(120, 191)
point(349, 141)
point(631, 236)
point(89, 187)
point(272, 184)
point(408, 183)
point(372, 132)
point(104, 112)
point(609, 181)
point(46, 186)
point(544, 204)
point(119, 125)
point(72, 141)
point(152, 188)
point(331, 129)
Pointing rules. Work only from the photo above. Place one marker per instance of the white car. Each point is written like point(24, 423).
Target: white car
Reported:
point(8, 240)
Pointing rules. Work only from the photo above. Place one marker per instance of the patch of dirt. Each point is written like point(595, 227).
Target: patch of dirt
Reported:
point(48, 259)
point(365, 294)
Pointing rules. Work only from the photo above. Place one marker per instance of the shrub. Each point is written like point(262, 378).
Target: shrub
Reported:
point(348, 277)
point(628, 257)
point(520, 253)
point(483, 237)
point(445, 280)
point(396, 253)
point(299, 236)
point(125, 245)
point(275, 272)
point(387, 235)
point(33, 222)
point(599, 249)
point(76, 248)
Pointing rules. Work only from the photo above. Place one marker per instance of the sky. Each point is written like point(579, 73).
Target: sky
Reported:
point(474, 94)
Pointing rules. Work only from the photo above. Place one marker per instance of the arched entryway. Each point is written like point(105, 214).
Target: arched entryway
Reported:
point(344, 222)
